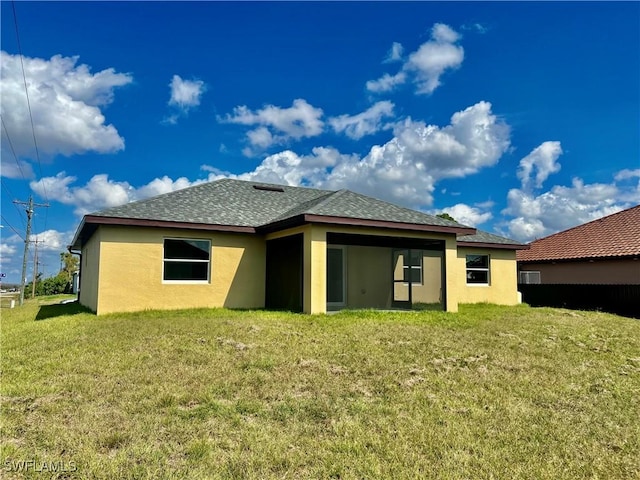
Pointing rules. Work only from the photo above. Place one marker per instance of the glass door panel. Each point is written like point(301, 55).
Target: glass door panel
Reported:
point(335, 276)
point(401, 289)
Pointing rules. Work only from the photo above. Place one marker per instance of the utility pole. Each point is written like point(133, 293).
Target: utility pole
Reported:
point(30, 205)
point(35, 268)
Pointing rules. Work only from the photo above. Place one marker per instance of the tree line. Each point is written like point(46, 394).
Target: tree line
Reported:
point(60, 283)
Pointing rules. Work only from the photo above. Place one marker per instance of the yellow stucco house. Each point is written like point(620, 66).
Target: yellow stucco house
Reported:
point(241, 244)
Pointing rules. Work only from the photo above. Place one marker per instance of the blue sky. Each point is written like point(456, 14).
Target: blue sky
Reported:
point(521, 119)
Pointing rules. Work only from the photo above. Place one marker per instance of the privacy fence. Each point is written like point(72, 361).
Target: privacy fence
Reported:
point(619, 299)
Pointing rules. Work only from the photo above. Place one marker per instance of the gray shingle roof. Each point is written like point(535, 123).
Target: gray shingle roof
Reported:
point(486, 237)
point(223, 202)
point(238, 203)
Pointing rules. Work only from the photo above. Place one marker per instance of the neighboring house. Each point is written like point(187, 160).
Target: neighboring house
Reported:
point(605, 251)
point(240, 244)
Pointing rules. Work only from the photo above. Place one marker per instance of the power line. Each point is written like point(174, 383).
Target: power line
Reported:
point(26, 91)
point(9, 225)
point(5, 188)
point(12, 150)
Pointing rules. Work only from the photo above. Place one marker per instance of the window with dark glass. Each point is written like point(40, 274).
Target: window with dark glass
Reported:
point(413, 267)
point(478, 269)
point(186, 260)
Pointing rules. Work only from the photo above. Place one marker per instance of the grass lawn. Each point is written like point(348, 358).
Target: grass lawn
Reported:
point(490, 392)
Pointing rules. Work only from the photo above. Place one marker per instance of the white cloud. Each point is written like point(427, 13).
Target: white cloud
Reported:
point(427, 64)
point(50, 244)
point(12, 168)
point(472, 216)
point(365, 123)
point(101, 192)
point(52, 240)
point(537, 215)
point(395, 53)
point(301, 120)
point(442, 33)
point(185, 95)
point(289, 168)
point(386, 83)
point(162, 185)
point(65, 102)
point(475, 27)
point(260, 137)
point(544, 160)
point(7, 250)
point(627, 174)
point(434, 57)
point(405, 169)
point(560, 208)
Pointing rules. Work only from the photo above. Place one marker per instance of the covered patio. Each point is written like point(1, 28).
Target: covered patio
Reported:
point(316, 269)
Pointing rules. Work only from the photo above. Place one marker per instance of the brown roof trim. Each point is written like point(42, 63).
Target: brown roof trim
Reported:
point(506, 246)
point(90, 223)
point(359, 222)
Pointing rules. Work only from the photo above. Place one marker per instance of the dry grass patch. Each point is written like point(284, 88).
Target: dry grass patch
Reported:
point(490, 392)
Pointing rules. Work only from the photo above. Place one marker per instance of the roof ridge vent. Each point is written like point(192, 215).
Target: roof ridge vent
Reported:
point(268, 188)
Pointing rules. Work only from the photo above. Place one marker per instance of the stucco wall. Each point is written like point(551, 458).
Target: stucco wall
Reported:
point(131, 262)
point(368, 277)
point(90, 272)
point(598, 272)
point(430, 291)
point(315, 270)
point(503, 283)
point(315, 251)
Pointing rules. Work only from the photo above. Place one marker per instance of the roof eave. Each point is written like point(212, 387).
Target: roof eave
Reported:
point(76, 244)
point(504, 246)
point(359, 222)
point(579, 259)
point(91, 222)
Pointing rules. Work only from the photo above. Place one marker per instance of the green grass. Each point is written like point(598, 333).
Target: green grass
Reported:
point(490, 392)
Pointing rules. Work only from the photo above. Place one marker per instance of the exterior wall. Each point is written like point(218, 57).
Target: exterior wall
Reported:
point(90, 272)
point(122, 271)
point(368, 277)
point(315, 270)
point(503, 280)
point(603, 272)
point(454, 276)
point(430, 291)
point(315, 258)
point(131, 262)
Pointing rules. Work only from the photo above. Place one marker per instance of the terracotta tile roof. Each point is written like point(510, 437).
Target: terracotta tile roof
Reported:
point(616, 235)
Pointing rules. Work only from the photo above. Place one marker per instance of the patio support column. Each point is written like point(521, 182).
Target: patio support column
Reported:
point(315, 269)
point(452, 274)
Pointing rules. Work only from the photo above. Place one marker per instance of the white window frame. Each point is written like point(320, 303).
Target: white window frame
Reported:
point(478, 269)
point(525, 277)
point(208, 262)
